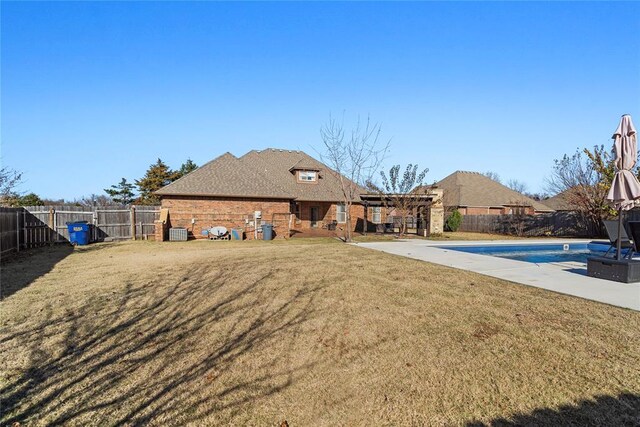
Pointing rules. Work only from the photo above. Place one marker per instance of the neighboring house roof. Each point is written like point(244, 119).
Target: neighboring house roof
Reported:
point(259, 174)
point(558, 202)
point(463, 188)
point(225, 176)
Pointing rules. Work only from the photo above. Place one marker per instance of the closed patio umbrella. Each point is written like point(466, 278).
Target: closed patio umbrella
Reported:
point(625, 188)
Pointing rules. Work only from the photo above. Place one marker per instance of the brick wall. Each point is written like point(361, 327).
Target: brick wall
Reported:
point(234, 213)
point(327, 213)
point(230, 213)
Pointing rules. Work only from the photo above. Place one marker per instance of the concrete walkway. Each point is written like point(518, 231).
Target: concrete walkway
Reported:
point(564, 277)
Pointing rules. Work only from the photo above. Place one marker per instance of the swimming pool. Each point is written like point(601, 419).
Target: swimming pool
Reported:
point(538, 253)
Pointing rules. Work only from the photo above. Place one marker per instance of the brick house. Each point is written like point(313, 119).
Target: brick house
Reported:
point(473, 193)
point(228, 190)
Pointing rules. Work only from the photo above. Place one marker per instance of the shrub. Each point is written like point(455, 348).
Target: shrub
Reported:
point(453, 221)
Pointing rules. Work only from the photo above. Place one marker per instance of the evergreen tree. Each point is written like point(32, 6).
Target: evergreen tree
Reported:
point(14, 199)
point(157, 176)
point(121, 192)
point(186, 167)
point(31, 199)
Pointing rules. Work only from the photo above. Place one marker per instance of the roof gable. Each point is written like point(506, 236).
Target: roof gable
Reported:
point(278, 164)
point(306, 165)
point(559, 202)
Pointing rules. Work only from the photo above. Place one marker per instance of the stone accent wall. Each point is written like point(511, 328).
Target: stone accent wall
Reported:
point(200, 213)
point(436, 219)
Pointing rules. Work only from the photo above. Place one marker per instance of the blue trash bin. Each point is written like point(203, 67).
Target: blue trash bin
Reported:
point(267, 231)
point(79, 232)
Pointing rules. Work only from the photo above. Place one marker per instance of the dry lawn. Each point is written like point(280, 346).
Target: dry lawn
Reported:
point(313, 332)
point(446, 236)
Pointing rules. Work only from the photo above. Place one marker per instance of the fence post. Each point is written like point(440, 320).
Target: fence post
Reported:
point(24, 229)
point(18, 231)
point(94, 218)
point(52, 224)
point(133, 222)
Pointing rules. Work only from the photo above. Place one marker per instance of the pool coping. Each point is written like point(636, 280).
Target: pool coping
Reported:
point(564, 277)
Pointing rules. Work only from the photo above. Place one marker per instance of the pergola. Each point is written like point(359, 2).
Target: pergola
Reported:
point(428, 207)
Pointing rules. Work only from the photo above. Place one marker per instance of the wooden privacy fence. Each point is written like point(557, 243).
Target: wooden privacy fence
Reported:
point(23, 228)
point(9, 226)
point(566, 224)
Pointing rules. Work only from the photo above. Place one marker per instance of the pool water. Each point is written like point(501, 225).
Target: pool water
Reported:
point(538, 253)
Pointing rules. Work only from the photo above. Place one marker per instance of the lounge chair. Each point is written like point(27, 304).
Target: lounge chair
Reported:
point(625, 242)
point(634, 229)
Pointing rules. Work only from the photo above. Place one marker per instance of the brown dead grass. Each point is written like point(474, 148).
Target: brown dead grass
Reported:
point(313, 332)
point(446, 236)
point(468, 235)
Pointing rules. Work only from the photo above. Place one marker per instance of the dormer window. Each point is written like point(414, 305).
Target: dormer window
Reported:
point(307, 176)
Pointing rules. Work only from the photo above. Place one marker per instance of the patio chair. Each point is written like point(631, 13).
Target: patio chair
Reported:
point(625, 242)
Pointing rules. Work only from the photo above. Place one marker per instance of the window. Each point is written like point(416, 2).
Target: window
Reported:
point(307, 176)
point(294, 208)
point(376, 214)
point(341, 213)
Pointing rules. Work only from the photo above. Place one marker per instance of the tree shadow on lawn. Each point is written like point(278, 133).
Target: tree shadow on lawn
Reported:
point(621, 410)
point(21, 269)
point(171, 350)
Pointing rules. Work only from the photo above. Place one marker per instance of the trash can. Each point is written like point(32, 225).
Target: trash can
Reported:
point(237, 233)
point(79, 232)
point(267, 231)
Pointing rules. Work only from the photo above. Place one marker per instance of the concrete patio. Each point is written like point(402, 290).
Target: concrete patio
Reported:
point(564, 277)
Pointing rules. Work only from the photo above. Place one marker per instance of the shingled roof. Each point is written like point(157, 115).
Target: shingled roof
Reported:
point(463, 188)
point(559, 202)
point(259, 174)
point(278, 165)
point(225, 176)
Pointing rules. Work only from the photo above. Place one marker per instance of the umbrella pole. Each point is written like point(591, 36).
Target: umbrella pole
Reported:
point(618, 241)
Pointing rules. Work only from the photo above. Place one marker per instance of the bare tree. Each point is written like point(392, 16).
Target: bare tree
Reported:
point(516, 185)
point(517, 220)
point(353, 158)
point(493, 175)
point(9, 180)
point(94, 200)
point(584, 179)
point(537, 196)
point(400, 192)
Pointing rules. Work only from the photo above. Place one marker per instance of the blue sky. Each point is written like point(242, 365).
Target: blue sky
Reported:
point(96, 91)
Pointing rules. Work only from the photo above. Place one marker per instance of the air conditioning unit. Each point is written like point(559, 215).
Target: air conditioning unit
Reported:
point(177, 234)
